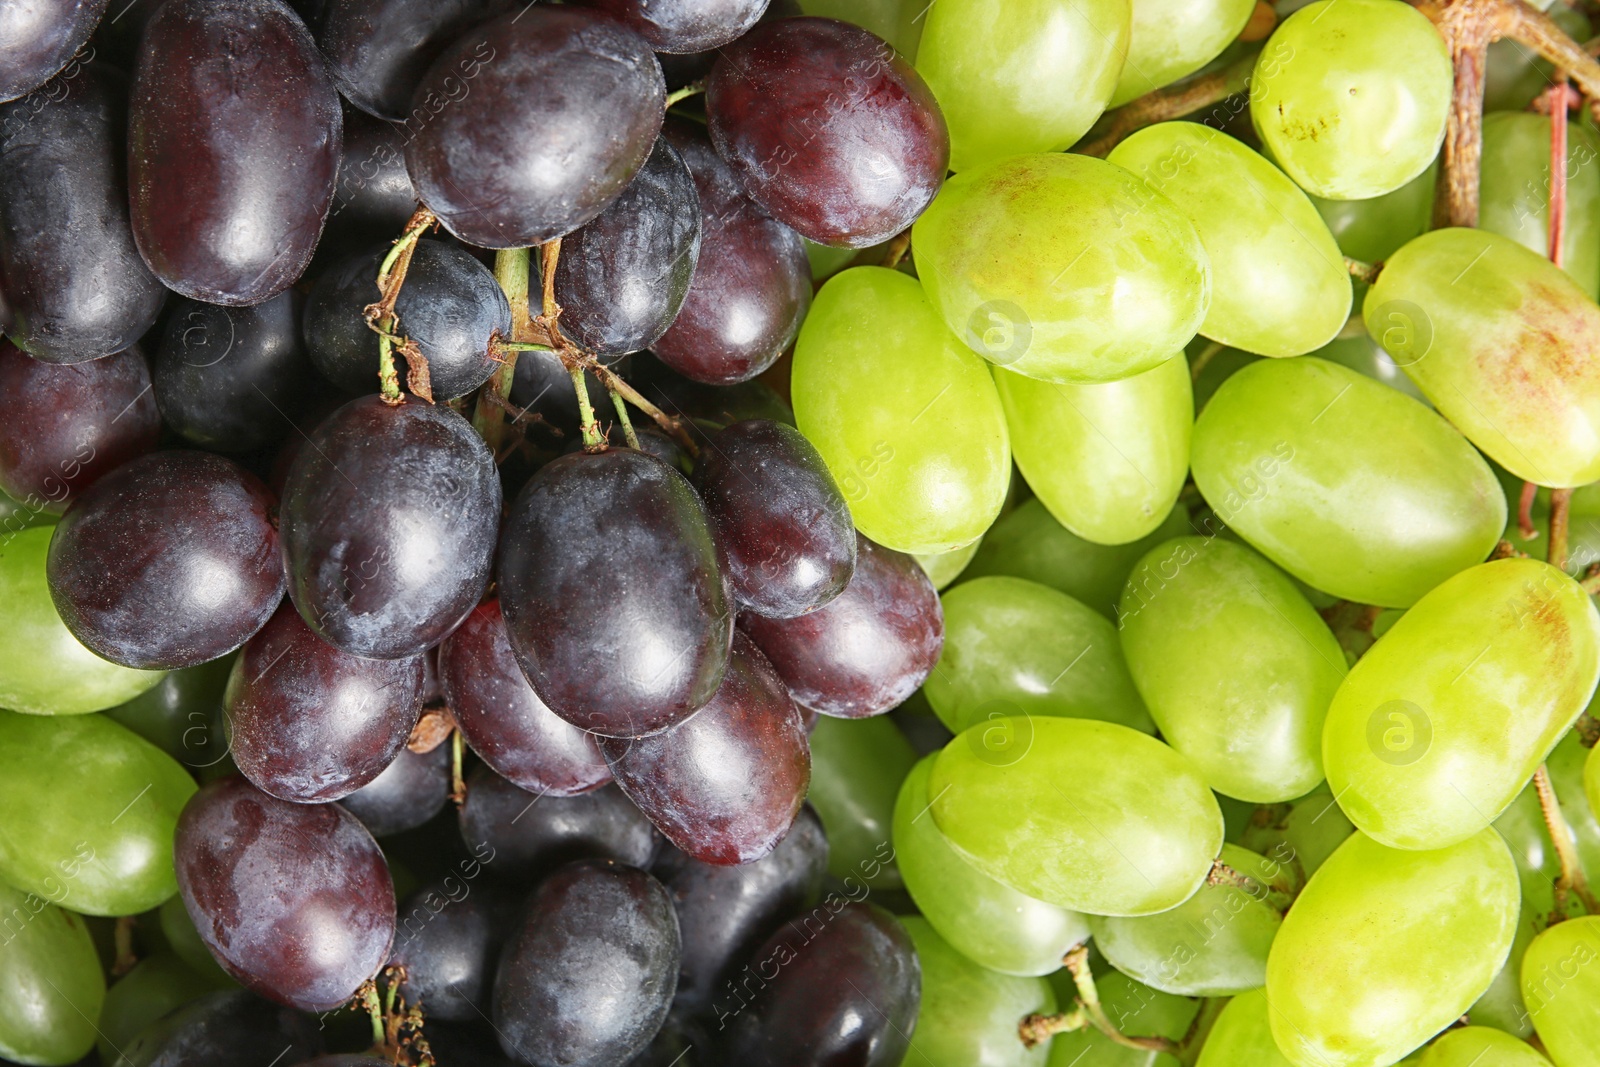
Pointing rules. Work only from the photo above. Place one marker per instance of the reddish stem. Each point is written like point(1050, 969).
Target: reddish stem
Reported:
point(1525, 525)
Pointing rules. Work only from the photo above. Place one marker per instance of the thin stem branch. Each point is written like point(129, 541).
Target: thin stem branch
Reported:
point(1207, 354)
point(1571, 880)
point(692, 89)
point(511, 270)
point(897, 249)
point(1039, 1027)
point(1557, 98)
point(1172, 102)
point(1525, 526)
point(1366, 272)
point(588, 425)
point(368, 996)
point(1560, 507)
point(622, 415)
point(122, 938)
point(383, 320)
point(550, 321)
point(1077, 963)
point(1467, 34)
point(458, 784)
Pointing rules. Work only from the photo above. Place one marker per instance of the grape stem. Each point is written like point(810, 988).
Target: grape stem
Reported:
point(622, 415)
point(550, 321)
point(1588, 728)
point(368, 996)
point(511, 270)
point(382, 319)
point(1506, 550)
point(458, 784)
point(1077, 964)
point(1365, 272)
point(692, 89)
point(1591, 579)
point(1039, 1027)
point(1207, 354)
point(1173, 102)
point(1571, 880)
point(1274, 896)
point(1525, 527)
point(1555, 102)
point(122, 938)
point(1560, 509)
point(898, 247)
point(1194, 1039)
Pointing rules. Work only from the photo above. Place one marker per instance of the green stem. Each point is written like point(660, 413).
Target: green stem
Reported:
point(685, 93)
point(398, 258)
point(592, 441)
point(511, 270)
point(622, 413)
point(458, 784)
point(369, 995)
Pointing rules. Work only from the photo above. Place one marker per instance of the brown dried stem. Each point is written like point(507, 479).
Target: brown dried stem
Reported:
point(1571, 879)
point(1172, 102)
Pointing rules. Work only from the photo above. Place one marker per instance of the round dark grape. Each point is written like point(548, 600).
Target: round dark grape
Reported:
point(526, 835)
point(378, 50)
point(168, 561)
point(709, 407)
point(448, 937)
point(389, 521)
point(230, 1027)
point(373, 197)
point(40, 38)
point(684, 25)
point(409, 792)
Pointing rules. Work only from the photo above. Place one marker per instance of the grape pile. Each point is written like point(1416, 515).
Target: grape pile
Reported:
point(799, 533)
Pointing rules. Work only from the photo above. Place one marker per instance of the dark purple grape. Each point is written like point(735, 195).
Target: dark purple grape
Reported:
point(867, 650)
point(526, 835)
point(588, 977)
point(710, 407)
point(829, 129)
point(294, 900)
point(504, 720)
point(75, 286)
point(409, 792)
point(450, 305)
point(62, 427)
point(784, 528)
point(725, 912)
point(348, 1059)
point(612, 594)
point(236, 1028)
point(684, 25)
point(233, 146)
point(378, 50)
point(168, 561)
point(836, 986)
point(448, 938)
point(233, 379)
point(373, 197)
point(39, 37)
point(470, 1046)
point(726, 784)
point(311, 723)
point(679, 1043)
point(389, 522)
point(622, 277)
point(688, 68)
point(529, 125)
point(752, 285)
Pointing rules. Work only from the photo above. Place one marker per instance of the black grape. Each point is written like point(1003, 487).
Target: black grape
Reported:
point(373, 197)
point(409, 792)
point(470, 1046)
point(41, 37)
point(177, 715)
point(684, 25)
point(528, 835)
point(235, 1028)
point(378, 50)
point(710, 407)
point(448, 938)
point(679, 1043)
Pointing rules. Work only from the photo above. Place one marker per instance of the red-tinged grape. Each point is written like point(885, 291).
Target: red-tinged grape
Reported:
point(447, 938)
point(294, 900)
point(372, 197)
point(310, 723)
point(612, 593)
point(828, 129)
point(409, 792)
point(232, 1027)
point(75, 286)
point(869, 648)
point(233, 147)
point(504, 720)
point(588, 977)
point(61, 428)
point(389, 522)
point(726, 784)
point(529, 125)
point(780, 520)
point(529, 834)
point(681, 26)
point(752, 285)
point(623, 276)
point(41, 38)
point(168, 561)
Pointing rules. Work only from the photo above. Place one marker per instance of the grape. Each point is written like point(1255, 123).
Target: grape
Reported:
point(169, 561)
point(856, 771)
point(726, 784)
point(751, 286)
point(51, 985)
point(1373, 230)
point(1243, 1035)
point(1107, 459)
point(943, 568)
point(177, 712)
point(623, 276)
point(1304, 832)
point(1514, 74)
point(1170, 41)
point(409, 792)
point(1237, 669)
point(1558, 983)
point(450, 305)
point(373, 197)
point(1443, 721)
point(1356, 349)
point(1134, 1009)
point(924, 457)
point(1021, 77)
point(75, 286)
point(680, 26)
point(594, 935)
point(233, 379)
point(1566, 764)
point(967, 1014)
point(1515, 198)
point(1279, 285)
point(711, 406)
point(1344, 483)
point(448, 939)
point(1384, 948)
point(1481, 1046)
point(389, 522)
point(1063, 268)
point(259, 874)
point(986, 921)
point(899, 22)
point(1015, 647)
point(378, 50)
point(41, 38)
point(529, 125)
point(156, 985)
point(867, 649)
point(828, 129)
point(526, 835)
point(178, 930)
point(846, 990)
point(1088, 815)
point(230, 1027)
point(1345, 120)
point(231, 165)
point(779, 518)
point(90, 808)
point(612, 594)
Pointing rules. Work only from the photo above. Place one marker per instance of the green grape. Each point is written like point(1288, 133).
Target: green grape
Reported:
point(1015, 647)
point(1385, 947)
point(1062, 267)
point(1107, 459)
point(1089, 815)
point(1030, 543)
point(43, 668)
point(1303, 833)
point(1514, 74)
point(1479, 1046)
point(1591, 782)
point(1500, 340)
point(90, 812)
point(1172, 39)
point(1372, 230)
point(178, 929)
point(857, 766)
point(1514, 190)
point(1236, 668)
point(1348, 485)
point(827, 260)
point(51, 984)
point(1561, 985)
point(1220, 364)
point(1359, 352)
point(897, 21)
point(1135, 1010)
point(942, 568)
point(154, 987)
point(1440, 725)
point(987, 921)
point(1279, 286)
point(906, 418)
point(1214, 944)
point(1347, 120)
point(178, 715)
point(1023, 76)
point(1242, 1036)
point(968, 1015)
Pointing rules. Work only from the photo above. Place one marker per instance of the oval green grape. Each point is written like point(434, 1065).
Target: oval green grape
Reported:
point(1302, 833)
point(896, 21)
point(1515, 74)
point(857, 766)
point(1514, 194)
point(1172, 39)
point(943, 568)
point(155, 986)
point(1561, 985)
point(1354, 349)
point(1242, 1036)
point(178, 713)
point(1372, 230)
point(51, 984)
point(1480, 1046)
